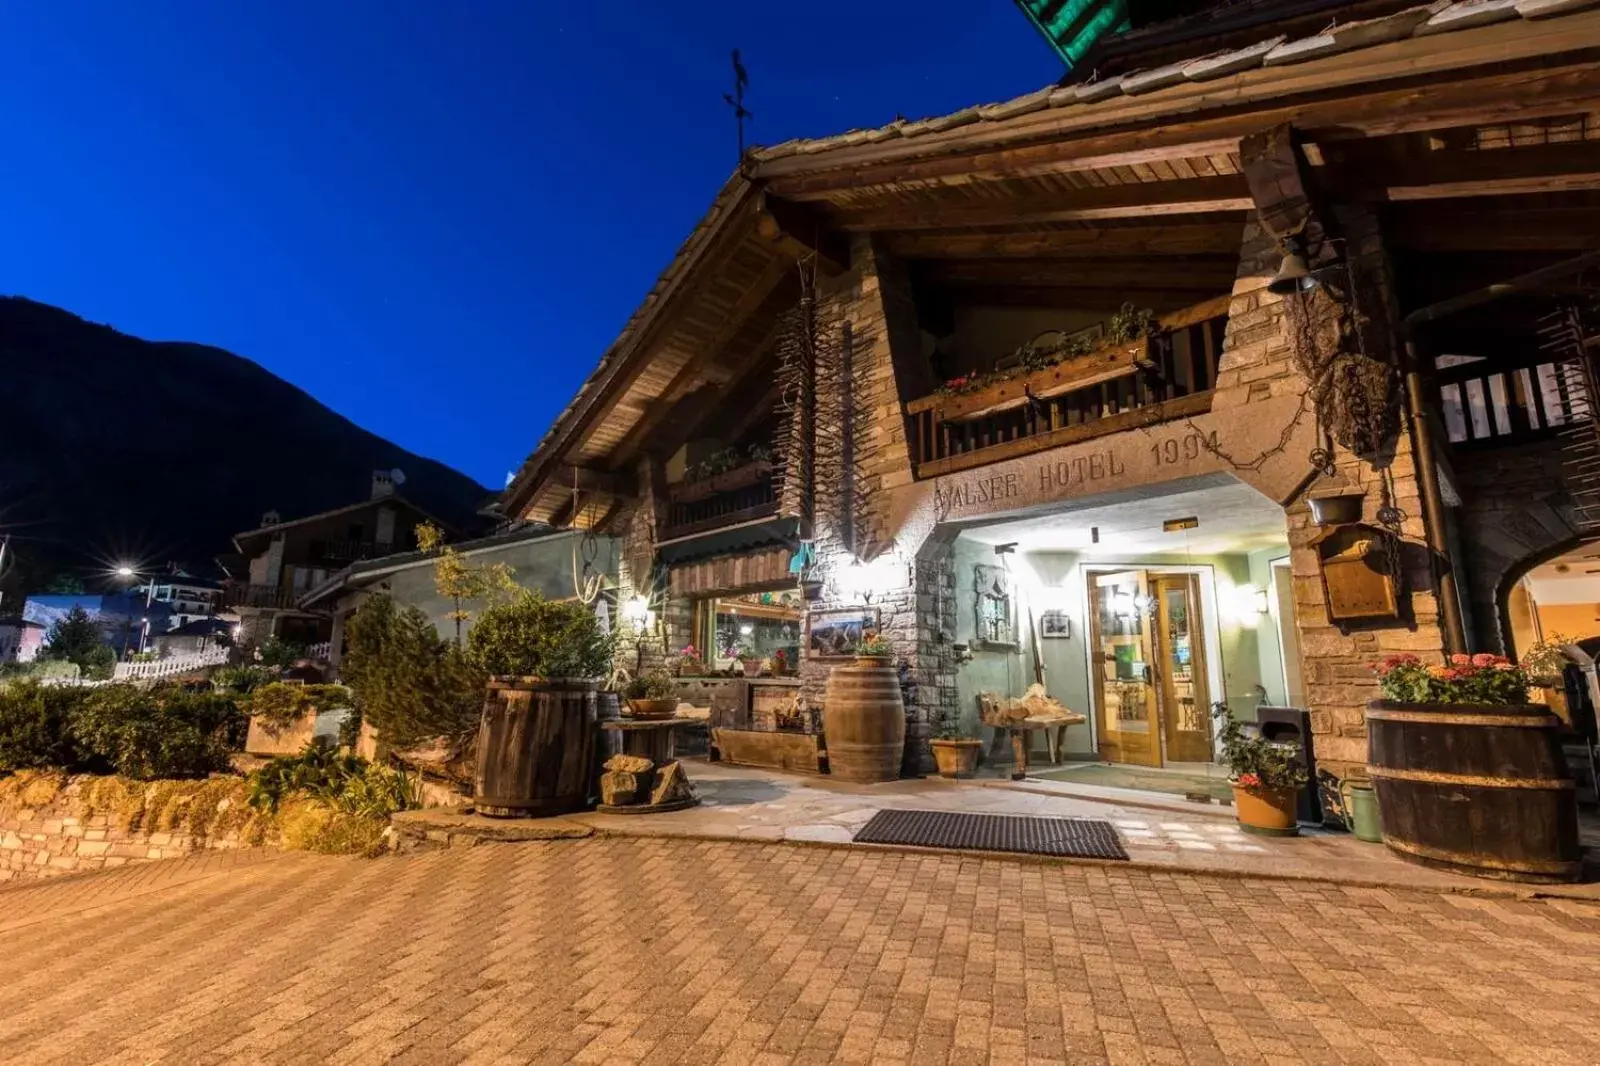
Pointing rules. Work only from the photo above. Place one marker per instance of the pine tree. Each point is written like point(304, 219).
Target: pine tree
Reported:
point(411, 684)
point(76, 638)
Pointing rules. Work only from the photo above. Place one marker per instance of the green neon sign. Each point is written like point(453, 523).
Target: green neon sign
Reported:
point(1072, 26)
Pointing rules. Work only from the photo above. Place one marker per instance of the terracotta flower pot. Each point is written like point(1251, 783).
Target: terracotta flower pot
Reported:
point(874, 660)
point(752, 667)
point(956, 757)
point(1266, 810)
point(662, 708)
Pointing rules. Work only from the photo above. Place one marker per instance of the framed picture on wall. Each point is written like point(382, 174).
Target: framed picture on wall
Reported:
point(835, 634)
point(1055, 624)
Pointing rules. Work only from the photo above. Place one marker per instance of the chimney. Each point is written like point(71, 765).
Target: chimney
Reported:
point(271, 518)
point(382, 484)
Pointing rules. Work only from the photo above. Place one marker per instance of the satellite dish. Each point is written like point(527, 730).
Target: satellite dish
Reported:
point(398, 476)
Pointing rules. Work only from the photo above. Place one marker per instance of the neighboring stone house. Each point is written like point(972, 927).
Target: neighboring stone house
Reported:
point(286, 559)
point(891, 377)
point(20, 640)
point(558, 564)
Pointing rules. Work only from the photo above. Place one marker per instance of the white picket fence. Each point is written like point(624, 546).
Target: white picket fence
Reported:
point(320, 652)
point(178, 664)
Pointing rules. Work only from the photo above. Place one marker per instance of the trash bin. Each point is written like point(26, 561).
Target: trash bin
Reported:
point(1291, 726)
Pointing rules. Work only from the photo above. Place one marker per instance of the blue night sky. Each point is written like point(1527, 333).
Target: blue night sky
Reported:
point(433, 217)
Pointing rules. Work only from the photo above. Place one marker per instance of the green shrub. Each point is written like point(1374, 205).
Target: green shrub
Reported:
point(279, 705)
point(242, 679)
point(531, 636)
point(346, 783)
point(35, 725)
point(659, 685)
point(411, 684)
point(163, 731)
point(279, 653)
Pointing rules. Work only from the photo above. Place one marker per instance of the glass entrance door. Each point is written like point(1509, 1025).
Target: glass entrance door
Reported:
point(1123, 670)
point(1180, 668)
point(1150, 668)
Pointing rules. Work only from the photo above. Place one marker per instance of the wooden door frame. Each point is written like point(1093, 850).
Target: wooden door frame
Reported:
point(1198, 642)
point(1216, 684)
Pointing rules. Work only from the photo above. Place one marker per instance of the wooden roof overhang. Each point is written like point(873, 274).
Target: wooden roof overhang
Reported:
point(1135, 195)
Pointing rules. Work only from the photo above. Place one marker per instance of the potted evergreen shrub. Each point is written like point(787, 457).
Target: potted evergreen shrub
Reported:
point(537, 739)
point(655, 695)
point(1266, 777)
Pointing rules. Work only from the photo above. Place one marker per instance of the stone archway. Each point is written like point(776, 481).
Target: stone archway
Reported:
point(1517, 514)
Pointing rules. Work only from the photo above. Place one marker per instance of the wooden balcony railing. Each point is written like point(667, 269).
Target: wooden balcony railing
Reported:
point(259, 596)
point(1497, 403)
point(695, 511)
point(1169, 375)
point(347, 551)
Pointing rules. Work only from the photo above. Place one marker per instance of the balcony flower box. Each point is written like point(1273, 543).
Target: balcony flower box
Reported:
point(1112, 360)
point(740, 477)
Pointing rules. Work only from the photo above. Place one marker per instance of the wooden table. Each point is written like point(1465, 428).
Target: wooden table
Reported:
point(1021, 734)
point(650, 738)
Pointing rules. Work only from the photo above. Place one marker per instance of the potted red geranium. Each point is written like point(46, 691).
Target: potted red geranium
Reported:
point(1470, 776)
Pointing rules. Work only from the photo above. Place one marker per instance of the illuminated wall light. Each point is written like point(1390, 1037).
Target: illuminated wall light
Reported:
point(637, 612)
point(1247, 603)
point(862, 582)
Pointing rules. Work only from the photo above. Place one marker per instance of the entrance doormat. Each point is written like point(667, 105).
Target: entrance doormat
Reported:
point(1080, 838)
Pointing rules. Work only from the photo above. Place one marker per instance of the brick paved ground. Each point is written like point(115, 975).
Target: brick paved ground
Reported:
point(613, 950)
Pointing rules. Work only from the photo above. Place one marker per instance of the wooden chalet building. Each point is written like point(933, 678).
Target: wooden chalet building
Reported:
point(892, 376)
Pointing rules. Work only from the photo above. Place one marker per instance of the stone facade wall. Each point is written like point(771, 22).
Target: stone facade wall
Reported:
point(905, 585)
point(62, 837)
point(1257, 364)
point(1515, 512)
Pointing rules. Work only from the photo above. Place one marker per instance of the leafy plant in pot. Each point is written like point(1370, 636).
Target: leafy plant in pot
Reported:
point(1265, 777)
point(873, 650)
point(654, 695)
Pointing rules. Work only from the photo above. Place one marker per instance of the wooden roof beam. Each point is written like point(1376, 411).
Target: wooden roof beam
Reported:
point(1076, 297)
point(801, 232)
point(1155, 273)
point(1564, 222)
point(689, 379)
point(1179, 238)
point(1189, 196)
point(1378, 170)
point(566, 477)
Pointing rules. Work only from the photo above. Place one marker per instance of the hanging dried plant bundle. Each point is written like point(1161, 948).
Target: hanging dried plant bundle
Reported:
point(1354, 389)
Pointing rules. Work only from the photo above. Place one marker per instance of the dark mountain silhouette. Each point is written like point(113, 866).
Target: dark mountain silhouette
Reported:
point(112, 447)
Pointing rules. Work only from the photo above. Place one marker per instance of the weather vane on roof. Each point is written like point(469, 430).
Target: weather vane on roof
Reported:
point(735, 100)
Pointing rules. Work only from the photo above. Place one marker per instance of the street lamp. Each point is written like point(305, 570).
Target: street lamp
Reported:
point(126, 572)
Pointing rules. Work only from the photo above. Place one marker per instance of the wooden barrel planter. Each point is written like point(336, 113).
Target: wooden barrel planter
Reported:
point(1475, 789)
point(536, 747)
point(864, 722)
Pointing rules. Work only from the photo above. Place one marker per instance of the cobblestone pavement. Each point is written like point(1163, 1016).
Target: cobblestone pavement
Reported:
point(629, 950)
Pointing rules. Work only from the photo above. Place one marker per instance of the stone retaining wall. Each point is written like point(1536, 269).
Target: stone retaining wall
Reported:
point(64, 835)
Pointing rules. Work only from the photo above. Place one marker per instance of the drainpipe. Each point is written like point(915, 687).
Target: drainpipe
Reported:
point(1455, 637)
point(1439, 560)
